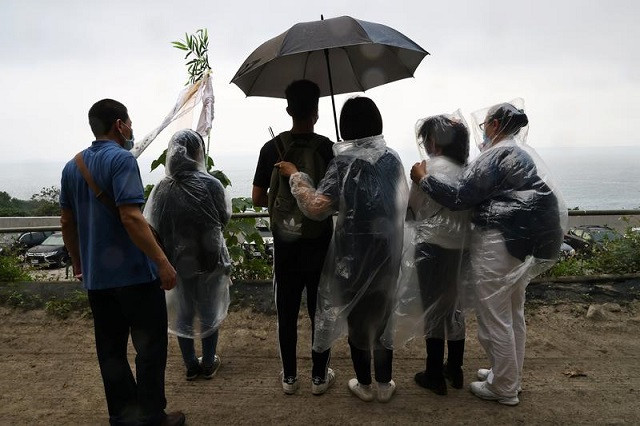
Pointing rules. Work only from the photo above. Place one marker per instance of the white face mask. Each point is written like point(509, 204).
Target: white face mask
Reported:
point(486, 143)
point(128, 143)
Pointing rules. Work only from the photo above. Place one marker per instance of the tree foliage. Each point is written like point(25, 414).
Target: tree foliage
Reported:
point(44, 203)
point(197, 48)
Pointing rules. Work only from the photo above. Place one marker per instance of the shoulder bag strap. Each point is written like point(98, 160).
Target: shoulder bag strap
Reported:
point(102, 196)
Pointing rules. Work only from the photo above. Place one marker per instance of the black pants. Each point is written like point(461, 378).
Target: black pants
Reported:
point(298, 266)
point(438, 272)
point(140, 310)
point(382, 364)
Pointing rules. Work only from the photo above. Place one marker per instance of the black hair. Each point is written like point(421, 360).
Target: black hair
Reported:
point(302, 99)
point(452, 137)
point(103, 114)
point(360, 118)
point(510, 118)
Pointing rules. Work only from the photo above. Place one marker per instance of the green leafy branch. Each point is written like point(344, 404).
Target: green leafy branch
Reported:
point(197, 47)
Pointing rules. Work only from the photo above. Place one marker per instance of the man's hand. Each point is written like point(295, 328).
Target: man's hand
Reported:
point(286, 168)
point(167, 276)
point(418, 171)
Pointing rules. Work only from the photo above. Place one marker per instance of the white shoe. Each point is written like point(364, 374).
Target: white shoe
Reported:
point(364, 392)
point(483, 374)
point(319, 386)
point(289, 384)
point(386, 391)
point(481, 390)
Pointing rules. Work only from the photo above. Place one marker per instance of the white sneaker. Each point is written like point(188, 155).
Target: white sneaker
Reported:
point(483, 374)
point(364, 392)
point(481, 390)
point(319, 386)
point(289, 384)
point(386, 391)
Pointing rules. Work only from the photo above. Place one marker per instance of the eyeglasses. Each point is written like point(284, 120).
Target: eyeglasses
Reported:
point(482, 125)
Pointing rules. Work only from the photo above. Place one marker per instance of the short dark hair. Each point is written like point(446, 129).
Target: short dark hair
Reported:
point(104, 113)
point(511, 119)
point(360, 118)
point(302, 98)
point(451, 136)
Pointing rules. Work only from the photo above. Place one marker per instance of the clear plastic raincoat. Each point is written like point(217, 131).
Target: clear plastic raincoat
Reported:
point(518, 218)
point(366, 185)
point(189, 209)
point(431, 296)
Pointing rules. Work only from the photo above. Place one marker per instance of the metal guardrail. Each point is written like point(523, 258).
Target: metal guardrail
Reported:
point(246, 215)
point(20, 229)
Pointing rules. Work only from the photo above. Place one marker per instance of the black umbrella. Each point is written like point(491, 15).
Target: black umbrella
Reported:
point(341, 55)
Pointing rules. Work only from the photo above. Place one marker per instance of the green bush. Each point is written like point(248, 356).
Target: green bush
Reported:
point(621, 256)
point(11, 270)
point(62, 308)
point(252, 269)
point(22, 300)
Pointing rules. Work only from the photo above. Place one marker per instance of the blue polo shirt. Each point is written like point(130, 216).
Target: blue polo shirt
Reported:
point(109, 258)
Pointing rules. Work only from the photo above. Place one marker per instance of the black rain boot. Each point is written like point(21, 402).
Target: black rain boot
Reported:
point(433, 377)
point(453, 367)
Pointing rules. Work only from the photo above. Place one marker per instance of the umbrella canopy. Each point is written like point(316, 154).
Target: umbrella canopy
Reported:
point(360, 55)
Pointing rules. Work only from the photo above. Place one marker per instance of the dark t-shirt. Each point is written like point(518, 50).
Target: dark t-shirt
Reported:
point(269, 156)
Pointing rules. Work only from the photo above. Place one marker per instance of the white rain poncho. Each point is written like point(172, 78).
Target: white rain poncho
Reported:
point(189, 208)
point(366, 185)
point(431, 296)
point(518, 218)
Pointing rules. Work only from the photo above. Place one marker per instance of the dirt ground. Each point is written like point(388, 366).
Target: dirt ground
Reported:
point(578, 370)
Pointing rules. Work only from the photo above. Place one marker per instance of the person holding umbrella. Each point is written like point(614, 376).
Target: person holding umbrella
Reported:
point(366, 186)
point(300, 244)
point(519, 219)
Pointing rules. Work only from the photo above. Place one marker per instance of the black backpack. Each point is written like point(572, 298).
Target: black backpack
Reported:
point(287, 221)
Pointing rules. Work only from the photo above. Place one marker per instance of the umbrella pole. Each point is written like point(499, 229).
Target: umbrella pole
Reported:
point(333, 102)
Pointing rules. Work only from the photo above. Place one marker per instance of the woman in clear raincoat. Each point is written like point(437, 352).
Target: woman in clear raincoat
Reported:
point(428, 302)
point(519, 219)
point(189, 209)
point(366, 186)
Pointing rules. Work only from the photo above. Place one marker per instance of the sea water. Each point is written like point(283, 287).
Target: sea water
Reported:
point(602, 178)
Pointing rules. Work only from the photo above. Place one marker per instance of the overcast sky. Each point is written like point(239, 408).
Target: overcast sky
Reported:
point(575, 63)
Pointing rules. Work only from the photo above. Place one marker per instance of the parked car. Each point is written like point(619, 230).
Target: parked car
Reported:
point(253, 251)
point(51, 252)
point(566, 251)
point(587, 236)
point(20, 244)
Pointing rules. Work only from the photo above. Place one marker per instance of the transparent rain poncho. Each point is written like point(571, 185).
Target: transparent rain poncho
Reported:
point(189, 208)
point(518, 221)
point(365, 184)
point(431, 295)
point(512, 197)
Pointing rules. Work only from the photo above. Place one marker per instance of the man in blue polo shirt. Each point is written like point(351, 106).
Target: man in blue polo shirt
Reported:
point(122, 267)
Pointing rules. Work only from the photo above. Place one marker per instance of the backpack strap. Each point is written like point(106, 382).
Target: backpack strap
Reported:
point(102, 196)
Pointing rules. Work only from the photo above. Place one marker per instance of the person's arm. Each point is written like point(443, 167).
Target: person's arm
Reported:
point(312, 203)
point(259, 196)
point(477, 183)
point(70, 238)
point(262, 177)
point(139, 232)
